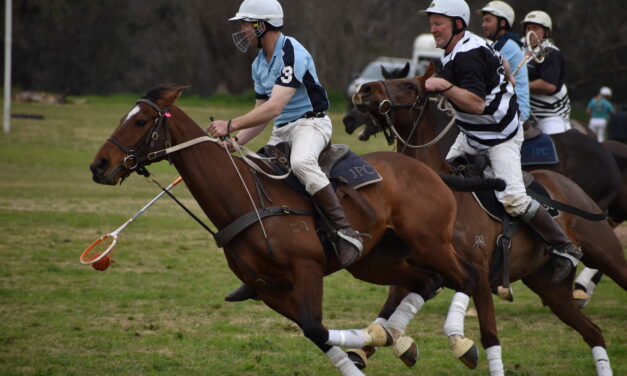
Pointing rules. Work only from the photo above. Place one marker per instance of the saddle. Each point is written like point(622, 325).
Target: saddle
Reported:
point(346, 171)
point(474, 166)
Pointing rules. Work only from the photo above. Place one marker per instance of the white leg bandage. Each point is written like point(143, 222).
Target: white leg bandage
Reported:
point(341, 362)
point(495, 362)
point(353, 338)
point(381, 321)
point(454, 324)
point(602, 361)
point(585, 279)
point(410, 305)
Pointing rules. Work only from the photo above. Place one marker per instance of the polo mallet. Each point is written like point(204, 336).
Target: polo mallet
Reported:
point(94, 254)
point(538, 53)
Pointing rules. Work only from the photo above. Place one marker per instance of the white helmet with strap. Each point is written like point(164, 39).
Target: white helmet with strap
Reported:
point(450, 8)
point(269, 11)
point(538, 17)
point(605, 91)
point(499, 9)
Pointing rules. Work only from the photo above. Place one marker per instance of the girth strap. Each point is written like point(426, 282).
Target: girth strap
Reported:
point(567, 208)
point(224, 236)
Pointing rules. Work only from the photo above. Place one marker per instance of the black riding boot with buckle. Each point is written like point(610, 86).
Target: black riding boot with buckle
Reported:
point(348, 244)
point(244, 292)
point(565, 254)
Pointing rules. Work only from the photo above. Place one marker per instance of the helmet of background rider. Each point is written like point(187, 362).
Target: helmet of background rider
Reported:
point(499, 9)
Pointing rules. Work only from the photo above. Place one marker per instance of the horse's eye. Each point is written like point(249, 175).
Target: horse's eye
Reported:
point(141, 122)
point(409, 86)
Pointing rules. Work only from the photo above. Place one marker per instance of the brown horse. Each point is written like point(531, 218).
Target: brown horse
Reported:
point(411, 226)
point(476, 233)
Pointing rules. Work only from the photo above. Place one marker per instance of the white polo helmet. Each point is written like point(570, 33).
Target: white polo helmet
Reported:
point(269, 11)
point(606, 92)
point(499, 9)
point(449, 8)
point(538, 17)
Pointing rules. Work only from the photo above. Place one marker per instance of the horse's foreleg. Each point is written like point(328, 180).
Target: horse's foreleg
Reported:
point(558, 298)
point(585, 284)
point(487, 325)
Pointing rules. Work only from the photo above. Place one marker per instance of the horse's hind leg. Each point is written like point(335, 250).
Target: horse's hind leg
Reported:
point(487, 325)
point(558, 298)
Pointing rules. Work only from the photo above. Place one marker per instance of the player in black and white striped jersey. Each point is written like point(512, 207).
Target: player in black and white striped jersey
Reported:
point(474, 80)
point(549, 99)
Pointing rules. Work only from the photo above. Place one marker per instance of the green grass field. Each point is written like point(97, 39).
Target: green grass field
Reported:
point(159, 310)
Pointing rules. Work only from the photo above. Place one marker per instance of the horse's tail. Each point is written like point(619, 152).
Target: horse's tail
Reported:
point(462, 184)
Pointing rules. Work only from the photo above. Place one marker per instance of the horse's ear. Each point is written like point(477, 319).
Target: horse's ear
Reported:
point(384, 72)
point(430, 70)
point(405, 71)
point(174, 94)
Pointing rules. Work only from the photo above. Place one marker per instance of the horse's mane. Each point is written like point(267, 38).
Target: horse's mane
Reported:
point(161, 90)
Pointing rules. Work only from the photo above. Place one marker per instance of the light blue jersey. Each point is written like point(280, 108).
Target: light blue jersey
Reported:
point(600, 108)
point(511, 51)
point(292, 66)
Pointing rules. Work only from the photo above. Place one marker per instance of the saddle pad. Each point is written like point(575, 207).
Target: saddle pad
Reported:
point(352, 170)
point(489, 203)
point(538, 150)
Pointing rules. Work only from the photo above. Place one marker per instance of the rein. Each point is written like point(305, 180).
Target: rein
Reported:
point(387, 106)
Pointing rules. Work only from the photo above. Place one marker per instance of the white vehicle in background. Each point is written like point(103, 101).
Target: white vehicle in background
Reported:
point(372, 71)
point(424, 52)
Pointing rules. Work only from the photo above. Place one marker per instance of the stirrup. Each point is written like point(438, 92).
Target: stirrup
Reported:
point(354, 241)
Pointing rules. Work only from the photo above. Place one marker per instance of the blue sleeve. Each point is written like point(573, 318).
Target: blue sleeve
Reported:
point(294, 66)
point(260, 92)
point(591, 103)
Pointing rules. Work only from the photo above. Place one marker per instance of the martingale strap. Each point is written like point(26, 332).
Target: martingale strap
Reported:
point(224, 236)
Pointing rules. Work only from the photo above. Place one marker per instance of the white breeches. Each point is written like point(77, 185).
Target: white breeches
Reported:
point(505, 162)
point(307, 138)
point(598, 126)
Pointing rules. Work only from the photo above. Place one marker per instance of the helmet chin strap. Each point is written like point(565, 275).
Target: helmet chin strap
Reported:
point(455, 32)
point(260, 31)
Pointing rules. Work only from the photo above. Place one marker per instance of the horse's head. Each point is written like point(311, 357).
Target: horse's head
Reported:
point(396, 98)
point(355, 118)
point(140, 132)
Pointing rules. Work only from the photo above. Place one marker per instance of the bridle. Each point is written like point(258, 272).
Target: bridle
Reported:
point(134, 161)
point(419, 104)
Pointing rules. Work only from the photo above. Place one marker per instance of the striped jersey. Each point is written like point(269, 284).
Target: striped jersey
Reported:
point(552, 71)
point(292, 66)
point(475, 66)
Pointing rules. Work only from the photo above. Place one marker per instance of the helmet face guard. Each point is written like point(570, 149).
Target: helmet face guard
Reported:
point(243, 39)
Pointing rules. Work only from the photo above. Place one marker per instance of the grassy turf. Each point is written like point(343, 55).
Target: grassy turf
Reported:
point(158, 309)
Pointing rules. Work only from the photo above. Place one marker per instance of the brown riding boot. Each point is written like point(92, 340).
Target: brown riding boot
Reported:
point(348, 244)
point(244, 292)
point(565, 254)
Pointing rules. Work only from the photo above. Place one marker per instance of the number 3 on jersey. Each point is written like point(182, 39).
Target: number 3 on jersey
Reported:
point(287, 73)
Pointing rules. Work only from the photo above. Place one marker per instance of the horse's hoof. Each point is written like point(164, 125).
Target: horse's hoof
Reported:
point(405, 348)
point(465, 350)
point(505, 293)
point(581, 298)
point(380, 335)
point(358, 357)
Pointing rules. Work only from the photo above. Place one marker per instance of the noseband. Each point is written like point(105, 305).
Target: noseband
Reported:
point(133, 160)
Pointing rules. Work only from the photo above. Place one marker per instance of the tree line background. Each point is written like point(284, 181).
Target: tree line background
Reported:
point(80, 47)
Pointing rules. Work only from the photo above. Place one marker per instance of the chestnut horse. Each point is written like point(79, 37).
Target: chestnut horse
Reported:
point(410, 243)
point(400, 98)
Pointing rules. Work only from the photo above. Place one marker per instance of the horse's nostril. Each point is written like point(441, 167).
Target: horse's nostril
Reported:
point(100, 166)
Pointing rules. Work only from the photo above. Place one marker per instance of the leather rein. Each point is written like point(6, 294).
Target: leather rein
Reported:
point(387, 107)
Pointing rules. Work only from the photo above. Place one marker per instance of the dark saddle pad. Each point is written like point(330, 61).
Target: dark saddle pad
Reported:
point(538, 150)
point(338, 163)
